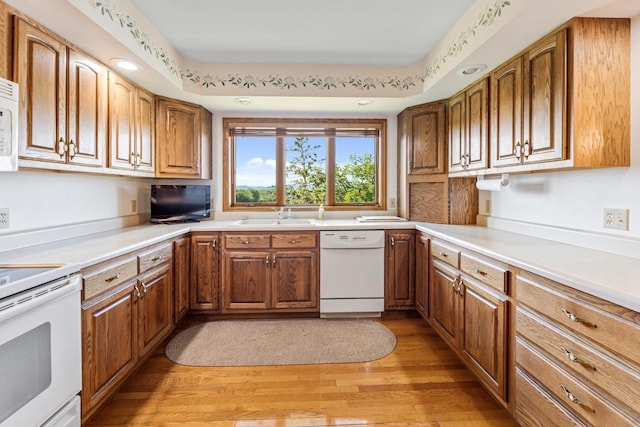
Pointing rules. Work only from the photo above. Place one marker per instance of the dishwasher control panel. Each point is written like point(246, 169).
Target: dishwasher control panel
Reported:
point(352, 239)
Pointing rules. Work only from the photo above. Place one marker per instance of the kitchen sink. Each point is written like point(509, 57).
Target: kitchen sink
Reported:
point(274, 221)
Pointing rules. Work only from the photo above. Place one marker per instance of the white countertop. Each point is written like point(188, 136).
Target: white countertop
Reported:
point(602, 274)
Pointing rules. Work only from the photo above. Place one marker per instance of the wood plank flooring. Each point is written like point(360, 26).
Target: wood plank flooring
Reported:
point(422, 383)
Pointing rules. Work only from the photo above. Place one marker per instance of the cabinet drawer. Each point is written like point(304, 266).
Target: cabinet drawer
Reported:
point(578, 316)
point(490, 274)
point(247, 241)
point(154, 257)
point(445, 253)
point(108, 276)
point(536, 408)
point(294, 241)
point(579, 358)
point(568, 390)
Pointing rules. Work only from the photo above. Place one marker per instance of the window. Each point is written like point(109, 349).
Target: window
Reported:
point(291, 162)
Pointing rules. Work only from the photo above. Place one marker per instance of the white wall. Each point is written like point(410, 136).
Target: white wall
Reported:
point(40, 199)
point(576, 199)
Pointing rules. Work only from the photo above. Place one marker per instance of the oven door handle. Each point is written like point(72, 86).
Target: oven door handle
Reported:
point(15, 305)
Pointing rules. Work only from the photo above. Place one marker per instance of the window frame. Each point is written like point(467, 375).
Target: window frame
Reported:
point(287, 127)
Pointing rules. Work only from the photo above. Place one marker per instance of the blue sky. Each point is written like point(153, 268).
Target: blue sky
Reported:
point(255, 156)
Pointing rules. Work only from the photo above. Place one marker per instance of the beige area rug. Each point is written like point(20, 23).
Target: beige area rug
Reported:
point(281, 342)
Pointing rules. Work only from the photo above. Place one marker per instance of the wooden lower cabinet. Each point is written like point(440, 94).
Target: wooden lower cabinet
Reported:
point(205, 272)
point(155, 308)
point(126, 312)
point(472, 318)
point(399, 270)
point(181, 267)
point(422, 275)
point(109, 345)
point(276, 272)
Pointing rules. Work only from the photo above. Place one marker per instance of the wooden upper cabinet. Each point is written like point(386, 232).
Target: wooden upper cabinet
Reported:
point(87, 110)
point(146, 130)
point(565, 101)
point(469, 128)
point(41, 70)
point(131, 127)
point(183, 140)
point(426, 144)
point(63, 102)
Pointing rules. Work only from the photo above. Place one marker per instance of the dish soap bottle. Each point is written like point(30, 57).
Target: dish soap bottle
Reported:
point(321, 212)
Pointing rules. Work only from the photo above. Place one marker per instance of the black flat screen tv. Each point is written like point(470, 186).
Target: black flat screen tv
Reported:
point(180, 203)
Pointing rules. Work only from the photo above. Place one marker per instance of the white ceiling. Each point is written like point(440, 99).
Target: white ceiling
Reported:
point(354, 32)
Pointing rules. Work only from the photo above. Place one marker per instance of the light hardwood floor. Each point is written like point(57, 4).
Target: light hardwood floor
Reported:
point(422, 383)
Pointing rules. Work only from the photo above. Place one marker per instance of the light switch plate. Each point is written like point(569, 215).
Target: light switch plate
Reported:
point(616, 219)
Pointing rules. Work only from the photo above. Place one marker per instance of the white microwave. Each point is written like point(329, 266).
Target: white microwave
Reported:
point(8, 125)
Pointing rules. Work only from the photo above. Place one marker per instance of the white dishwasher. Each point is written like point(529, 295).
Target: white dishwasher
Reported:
point(351, 273)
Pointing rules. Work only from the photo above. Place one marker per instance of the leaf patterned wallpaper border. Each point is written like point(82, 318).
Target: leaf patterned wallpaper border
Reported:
point(108, 10)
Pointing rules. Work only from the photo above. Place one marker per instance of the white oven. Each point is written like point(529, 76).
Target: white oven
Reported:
point(40, 355)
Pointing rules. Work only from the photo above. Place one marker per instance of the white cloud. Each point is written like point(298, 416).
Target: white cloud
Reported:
point(270, 162)
point(255, 161)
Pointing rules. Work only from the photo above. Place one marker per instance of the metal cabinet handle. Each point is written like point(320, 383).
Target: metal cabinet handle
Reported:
point(247, 242)
point(575, 400)
point(156, 258)
point(443, 254)
point(144, 288)
point(576, 359)
point(455, 282)
point(517, 151)
point(294, 242)
point(273, 262)
point(72, 150)
point(138, 160)
point(137, 292)
point(62, 147)
point(527, 149)
point(460, 290)
point(132, 159)
point(266, 260)
point(214, 243)
point(480, 272)
point(393, 242)
point(576, 319)
point(112, 278)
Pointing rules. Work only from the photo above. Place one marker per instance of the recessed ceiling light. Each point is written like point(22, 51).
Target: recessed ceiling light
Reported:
point(364, 101)
point(126, 64)
point(244, 101)
point(469, 70)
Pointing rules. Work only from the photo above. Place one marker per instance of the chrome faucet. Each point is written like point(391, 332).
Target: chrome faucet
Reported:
point(279, 211)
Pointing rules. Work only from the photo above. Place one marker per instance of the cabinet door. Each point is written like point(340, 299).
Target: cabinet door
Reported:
point(477, 116)
point(457, 132)
point(545, 99)
point(109, 345)
point(427, 143)
point(122, 118)
point(205, 267)
point(483, 317)
point(40, 68)
point(155, 308)
point(181, 249)
point(443, 299)
point(178, 139)
point(399, 270)
point(506, 114)
point(247, 279)
point(145, 132)
point(295, 283)
point(87, 111)
point(422, 275)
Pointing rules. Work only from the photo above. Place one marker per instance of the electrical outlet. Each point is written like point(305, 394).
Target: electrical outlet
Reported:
point(134, 206)
point(617, 219)
point(4, 218)
point(392, 203)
